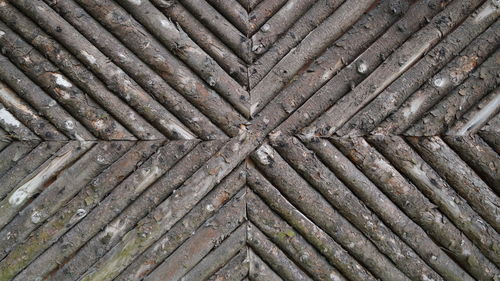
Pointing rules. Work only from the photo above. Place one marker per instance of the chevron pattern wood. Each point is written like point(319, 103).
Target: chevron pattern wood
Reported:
point(262, 140)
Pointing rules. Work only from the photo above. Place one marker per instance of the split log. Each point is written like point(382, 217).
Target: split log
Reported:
point(417, 207)
point(315, 206)
point(441, 193)
point(303, 26)
point(399, 62)
point(291, 242)
point(236, 269)
point(28, 115)
point(27, 165)
point(229, 34)
point(227, 222)
point(451, 76)
point(167, 66)
point(312, 45)
point(183, 229)
point(454, 105)
point(463, 179)
point(398, 91)
point(15, 129)
point(392, 215)
point(43, 103)
point(379, 26)
point(138, 70)
point(477, 116)
point(113, 76)
point(479, 156)
point(277, 260)
point(40, 178)
point(116, 205)
point(56, 83)
point(200, 34)
point(81, 205)
point(182, 46)
point(334, 253)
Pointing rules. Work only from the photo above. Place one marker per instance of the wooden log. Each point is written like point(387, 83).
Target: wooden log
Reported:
point(397, 63)
point(76, 71)
point(334, 253)
point(249, 4)
point(76, 210)
point(114, 77)
point(121, 210)
point(479, 156)
point(455, 104)
point(312, 45)
point(289, 241)
point(463, 179)
point(14, 127)
point(392, 215)
point(477, 116)
point(200, 34)
point(235, 269)
point(56, 83)
point(220, 256)
point(259, 270)
point(326, 79)
point(138, 70)
point(40, 178)
point(184, 263)
point(169, 68)
point(491, 133)
point(229, 34)
point(27, 165)
point(277, 260)
point(339, 195)
point(171, 209)
point(28, 115)
point(315, 206)
point(13, 153)
point(261, 13)
point(441, 193)
point(452, 75)
point(183, 229)
point(4, 139)
point(398, 91)
point(417, 207)
point(234, 12)
point(278, 24)
point(182, 46)
point(60, 191)
point(114, 216)
point(303, 26)
point(43, 103)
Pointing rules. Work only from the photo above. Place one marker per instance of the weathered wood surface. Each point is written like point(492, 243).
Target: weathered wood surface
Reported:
point(267, 140)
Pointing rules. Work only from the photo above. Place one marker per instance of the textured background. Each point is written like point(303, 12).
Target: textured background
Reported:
point(249, 140)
